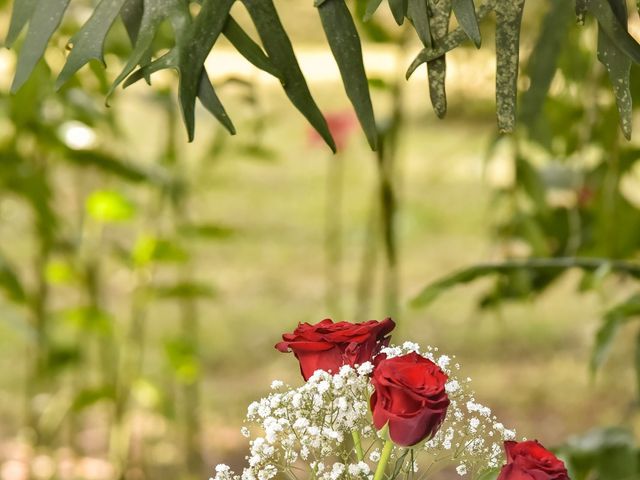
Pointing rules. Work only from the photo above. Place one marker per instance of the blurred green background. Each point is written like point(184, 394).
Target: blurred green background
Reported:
point(145, 280)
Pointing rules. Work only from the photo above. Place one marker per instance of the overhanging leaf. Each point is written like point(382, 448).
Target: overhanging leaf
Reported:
point(193, 43)
point(248, 48)
point(618, 66)
point(279, 49)
point(20, 15)
point(399, 10)
point(454, 39)
point(417, 12)
point(346, 48)
point(437, 68)
point(601, 9)
point(43, 23)
point(465, 12)
point(88, 43)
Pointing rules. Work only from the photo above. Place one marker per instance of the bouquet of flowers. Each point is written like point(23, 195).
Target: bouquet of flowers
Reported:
point(370, 410)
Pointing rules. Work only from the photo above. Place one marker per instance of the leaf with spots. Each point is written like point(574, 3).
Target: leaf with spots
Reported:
point(437, 68)
point(618, 66)
point(508, 23)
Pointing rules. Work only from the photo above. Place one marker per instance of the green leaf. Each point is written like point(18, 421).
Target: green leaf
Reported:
point(437, 68)
point(89, 397)
point(207, 231)
point(613, 320)
point(248, 48)
point(529, 178)
point(186, 289)
point(398, 10)
point(114, 166)
point(508, 23)
point(278, 46)
point(429, 293)
point(182, 355)
point(109, 206)
point(44, 22)
point(419, 16)
point(346, 48)
point(618, 66)
point(581, 10)
point(10, 283)
point(606, 453)
point(636, 362)
point(608, 21)
point(451, 41)
point(489, 474)
point(465, 12)
point(150, 249)
point(194, 41)
point(89, 318)
point(543, 61)
point(192, 53)
point(88, 43)
point(372, 6)
point(20, 15)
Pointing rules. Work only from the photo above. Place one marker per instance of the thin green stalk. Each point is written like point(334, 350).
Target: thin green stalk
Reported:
point(333, 235)
point(357, 445)
point(384, 460)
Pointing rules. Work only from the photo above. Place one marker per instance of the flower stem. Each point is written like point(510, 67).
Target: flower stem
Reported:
point(384, 459)
point(357, 445)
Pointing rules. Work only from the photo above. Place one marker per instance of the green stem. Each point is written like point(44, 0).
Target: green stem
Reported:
point(384, 459)
point(357, 445)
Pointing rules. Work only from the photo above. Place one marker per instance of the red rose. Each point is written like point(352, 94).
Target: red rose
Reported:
point(410, 397)
point(531, 461)
point(328, 346)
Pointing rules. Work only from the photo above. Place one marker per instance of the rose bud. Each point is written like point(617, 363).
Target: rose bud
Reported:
point(409, 397)
point(328, 346)
point(531, 461)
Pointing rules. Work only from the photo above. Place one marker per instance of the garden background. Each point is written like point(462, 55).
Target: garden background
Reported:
point(146, 279)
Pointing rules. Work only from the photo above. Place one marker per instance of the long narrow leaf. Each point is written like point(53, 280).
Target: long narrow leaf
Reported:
point(44, 22)
point(88, 43)
point(20, 15)
point(278, 46)
point(465, 12)
point(508, 23)
point(248, 48)
point(345, 44)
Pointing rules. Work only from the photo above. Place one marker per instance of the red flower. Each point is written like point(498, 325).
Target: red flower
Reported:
point(531, 461)
point(409, 396)
point(328, 346)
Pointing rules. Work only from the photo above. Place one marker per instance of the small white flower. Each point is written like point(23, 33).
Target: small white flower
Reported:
point(461, 469)
point(365, 369)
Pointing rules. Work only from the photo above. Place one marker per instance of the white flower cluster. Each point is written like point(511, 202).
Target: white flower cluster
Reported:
point(306, 432)
point(470, 436)
point(309, 426)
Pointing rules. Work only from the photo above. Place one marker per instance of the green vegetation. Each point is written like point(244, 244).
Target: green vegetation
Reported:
point(145, 280)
